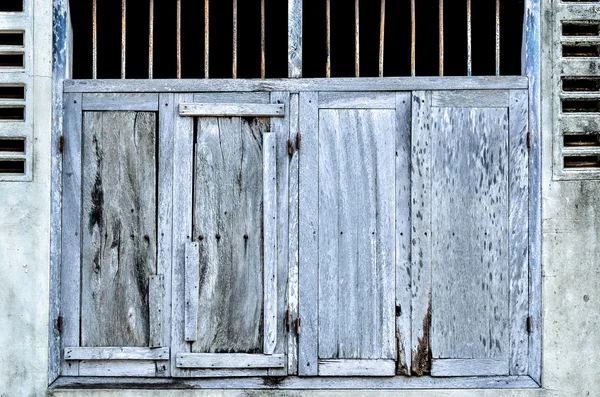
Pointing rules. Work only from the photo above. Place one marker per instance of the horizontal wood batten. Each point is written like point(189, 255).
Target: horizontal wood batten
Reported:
point(229, 360)
point(231, 110)
point(471, 99)
point(117, 368)
point(357, 367)
point(298, 85)
point(297, 383)
point(116, 353)
point(120, 102)
point(468, 367)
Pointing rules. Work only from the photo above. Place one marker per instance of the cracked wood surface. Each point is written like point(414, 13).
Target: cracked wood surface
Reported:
point(118, 227)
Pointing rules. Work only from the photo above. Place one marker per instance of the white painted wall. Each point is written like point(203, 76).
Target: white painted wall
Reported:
point(571, 272)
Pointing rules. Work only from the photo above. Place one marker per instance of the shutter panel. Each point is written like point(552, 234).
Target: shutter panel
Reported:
point(347, 229)
point(116, 326)
point(469, 219)
point(229, 300)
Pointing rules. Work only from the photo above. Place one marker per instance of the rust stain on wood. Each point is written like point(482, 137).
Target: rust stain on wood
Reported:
point(421, 363)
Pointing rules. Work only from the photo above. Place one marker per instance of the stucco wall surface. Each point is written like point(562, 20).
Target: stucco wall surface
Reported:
point(571, 272)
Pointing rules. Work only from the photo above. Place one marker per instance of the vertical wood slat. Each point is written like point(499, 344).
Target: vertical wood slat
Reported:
point(328, 28)
point(94, 39)
point(235, 40)
point(156, 304)
point(308, 227)
point(441, 37)
point(381, 37)
point(421, 229)
point(413, 38)
point(71, 227)
point(294, 38)
point(403, 233)
point(151, 42)
point(166, 119)
point(123, 36)
point(182, 220)
point(518, 233)
point(192, 273)
point(263, 59)
point(206, 38)
point(469, 41)
point(178, 39)
point(270, 241)
point(292, 301)
point(356, 38)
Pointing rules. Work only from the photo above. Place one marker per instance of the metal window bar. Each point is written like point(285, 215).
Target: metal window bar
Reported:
point(497, 37)
point(123, 36)
point(206, 39)
point(441, 46)
point(178, 39)
point(381, 37)
point(469, 41)
point(94, 39)
point(235, 40)
point(328, 21)
point(263, 56)
point(413, 38)
point(356, 38)
point(150, 42)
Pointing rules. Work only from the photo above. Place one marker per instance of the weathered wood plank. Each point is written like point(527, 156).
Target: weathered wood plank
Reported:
point(421, 232)
point(518, 244)
point(308, 239)
point(294, 38)
point(292, 278)
point(117, 368)
point(357, 367)
point(231, 110)
point(120, 102)
point(233, 97)
point(228, 223)
point(156, 306)
point(192, 274)
point(116, 353)
point(224, 360)
point(70, 275)
point(469, 254)
point(182, 217)
point(468, 367)
point(354, 100)
point(300, 85)
point(119, 230)
point(471, 99)
point(270, 242)
point(403, 233)
point(166, 119)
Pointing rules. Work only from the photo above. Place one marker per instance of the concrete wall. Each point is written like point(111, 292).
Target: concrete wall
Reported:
point(571, 270)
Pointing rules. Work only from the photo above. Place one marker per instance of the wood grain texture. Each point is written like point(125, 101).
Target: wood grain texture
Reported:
point(156, 306)
point(228, 224)
point(471, 98)
point(354, 100)
point(294, 38)
point(356, 234)
point(231, 110)
point(192, 274)
point(308, 238)
point(183, 170)
point(357, 367)
point(468, 367)
point(421, 232)
point(70, 275)
point(403, 233)
point(120, 102)
point(469, 221)
point(119, 227)
point(117, 368)
point(518, 243)
point(233, 97)
point(116, 353)
point(229, 360)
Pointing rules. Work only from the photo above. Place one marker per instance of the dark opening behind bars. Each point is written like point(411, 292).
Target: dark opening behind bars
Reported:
point(397, 58)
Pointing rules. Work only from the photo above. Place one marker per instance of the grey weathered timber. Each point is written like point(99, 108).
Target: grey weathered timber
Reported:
point(421, 232)
point(356, 234)
point(166, 114)
point(518, 229)
point(469, 233)
point(228, 225)
point(357, 367)
point(471, 99)
point(468, 367)
point(300, 85)
point(192, 273)
point(70, 274)
point(116, 353)
point(270, 273)
point(117, 368)
point(118, 227)
point(280, 127)
point(302, 383)
point(308, 234)
point(231, 110)
point(354, 100)
point(224, 360)
point(403, 233)
point(156, 308)
point(120, 102)
point(292, 277)
point(183, 163)
point(294, 38)
point(233, 97)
